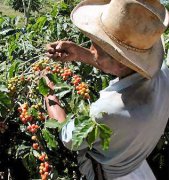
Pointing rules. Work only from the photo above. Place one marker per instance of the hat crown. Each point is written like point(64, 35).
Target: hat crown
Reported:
point(135, 23)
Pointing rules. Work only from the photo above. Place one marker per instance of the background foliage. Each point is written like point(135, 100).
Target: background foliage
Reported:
point(21, 48)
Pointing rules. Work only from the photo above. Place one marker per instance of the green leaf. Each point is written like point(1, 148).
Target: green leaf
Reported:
point(60, 95)
point(33, 112)
point(53, 123)
point(5, 100)
point(105, 82)
point(6, 31)
point(105, 136)
point(54, 174)
point(43, 88)
point(3, 66)
point(22, 150)
point(50, 139)
point(61, 86)
point(105, 129)
point(29, 162)
point(63, 5)
point(83, 108)
point(54, 78)
point(81, 131)
point(3, 88)
point(40, 23)
point(92, 136)
point(13, 69)
point(36, 153)
point(62, 89)
point(74, 103)
point(54, 11)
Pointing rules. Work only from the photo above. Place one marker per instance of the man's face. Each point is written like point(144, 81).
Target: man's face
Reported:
point(105, 62)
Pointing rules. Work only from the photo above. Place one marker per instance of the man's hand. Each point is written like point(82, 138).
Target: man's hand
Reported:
point(63, 51)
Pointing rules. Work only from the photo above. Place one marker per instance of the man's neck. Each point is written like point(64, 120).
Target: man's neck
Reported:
point(126, 73)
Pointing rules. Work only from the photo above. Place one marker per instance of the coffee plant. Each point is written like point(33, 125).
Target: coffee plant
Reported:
point(35, 138)
point(29, 138)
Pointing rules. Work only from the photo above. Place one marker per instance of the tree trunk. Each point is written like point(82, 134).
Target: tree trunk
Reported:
point(26, 11)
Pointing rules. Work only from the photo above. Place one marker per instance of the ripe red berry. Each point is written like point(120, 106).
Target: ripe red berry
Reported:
point(35, 146)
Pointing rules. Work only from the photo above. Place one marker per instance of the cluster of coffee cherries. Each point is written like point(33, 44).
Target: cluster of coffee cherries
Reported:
point(83, 90)
point(32, 94)
point(66, 73)
point(37, 106)
point(33, 128)
point(24, 116)
point(35, 144)
point(44, 170)
point(15, 82)
point(81, 87)
point(43, 157)
point(40, 115)
point(40, 65)
point(44, 166)
point(76, 80)
point(3, 127)
point(57, 68)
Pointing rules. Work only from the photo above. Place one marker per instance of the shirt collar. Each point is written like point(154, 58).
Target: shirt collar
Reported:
point(118, 85)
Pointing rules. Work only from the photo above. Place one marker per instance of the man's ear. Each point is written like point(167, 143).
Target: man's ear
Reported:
point(93, 50)
point(91, 47)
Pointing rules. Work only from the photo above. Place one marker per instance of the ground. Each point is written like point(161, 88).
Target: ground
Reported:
point(6, 10)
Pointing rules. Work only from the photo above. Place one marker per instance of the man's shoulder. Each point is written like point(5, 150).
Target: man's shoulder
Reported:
point(164, 72)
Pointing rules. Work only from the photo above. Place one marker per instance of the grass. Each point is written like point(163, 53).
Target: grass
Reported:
point(8, 11)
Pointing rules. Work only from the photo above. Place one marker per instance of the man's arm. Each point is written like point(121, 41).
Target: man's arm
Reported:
point(54, 109)
point(66, 51)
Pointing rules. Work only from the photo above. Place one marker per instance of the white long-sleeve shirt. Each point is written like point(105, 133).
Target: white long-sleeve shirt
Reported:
point(137, 111)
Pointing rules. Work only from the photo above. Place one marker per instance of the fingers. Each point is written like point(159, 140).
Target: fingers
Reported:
point(59, 50)
point(50, 48)
point(58, 46)
point(58, 56)
point(63, 45)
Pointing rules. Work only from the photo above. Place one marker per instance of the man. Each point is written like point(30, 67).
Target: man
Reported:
point(126, 43)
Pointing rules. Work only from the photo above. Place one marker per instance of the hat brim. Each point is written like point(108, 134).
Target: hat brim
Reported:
point(86, 16)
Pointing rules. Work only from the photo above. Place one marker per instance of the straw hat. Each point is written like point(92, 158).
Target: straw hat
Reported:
point(128, 30)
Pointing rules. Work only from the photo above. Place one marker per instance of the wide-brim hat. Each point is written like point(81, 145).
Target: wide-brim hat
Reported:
point(128, 30)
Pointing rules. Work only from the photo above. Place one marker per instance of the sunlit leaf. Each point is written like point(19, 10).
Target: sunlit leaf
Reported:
point(53, 123)
point(81, 131)
point(43, 88)
point(13, 69)
point(3, 88)
point(93, 136)
point(50, 139)
point(105, 135)
point(22, 150)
